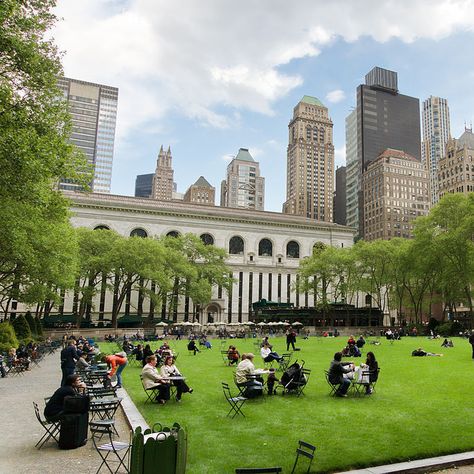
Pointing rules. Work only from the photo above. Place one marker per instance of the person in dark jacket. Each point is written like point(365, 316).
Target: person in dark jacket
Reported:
point(69, 357)
point(55, 406)
point(290, 339)
point(471, 341)
point(337, 371)
point(372, 366)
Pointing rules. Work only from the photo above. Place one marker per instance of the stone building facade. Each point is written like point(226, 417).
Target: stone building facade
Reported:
point(456, 168)
point(264, 248)
point(396, 192)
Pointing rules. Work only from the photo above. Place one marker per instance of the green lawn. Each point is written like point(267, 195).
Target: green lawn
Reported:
point(422, 408)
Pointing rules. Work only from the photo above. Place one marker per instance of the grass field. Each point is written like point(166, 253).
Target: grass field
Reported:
point(422, 407)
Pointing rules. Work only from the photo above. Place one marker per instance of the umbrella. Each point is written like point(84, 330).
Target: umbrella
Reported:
point(262, 324)
point(196, 324)
point(297, 323)
point(249, 323)
point(161, 323)
point(187, 323)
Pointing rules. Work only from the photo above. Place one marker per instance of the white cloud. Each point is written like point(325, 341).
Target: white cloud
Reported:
point(335, 96)
point(208, 60)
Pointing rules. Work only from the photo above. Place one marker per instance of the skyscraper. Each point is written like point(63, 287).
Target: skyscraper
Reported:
point(93, 108)
point(244, 187)
point(163, 185)
point(436, 132)
point(384, 119)
point(144, 185)
point(310, 162)
point(340, 196)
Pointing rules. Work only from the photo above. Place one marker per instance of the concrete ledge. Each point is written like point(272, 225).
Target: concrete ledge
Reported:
point(132, 416)
point(421, 465)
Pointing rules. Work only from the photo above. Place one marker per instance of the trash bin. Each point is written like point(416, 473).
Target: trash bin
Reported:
point(159, 450)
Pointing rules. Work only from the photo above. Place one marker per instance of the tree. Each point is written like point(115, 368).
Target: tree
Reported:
point(31, 322)
point(450, 229)
point(39, 327)
point(34, 154)
point(8, 337)
point(95, 265)
point(195, 268)
point(22, 329)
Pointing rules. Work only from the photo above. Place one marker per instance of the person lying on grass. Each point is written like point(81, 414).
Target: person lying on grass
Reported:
point(421, 353)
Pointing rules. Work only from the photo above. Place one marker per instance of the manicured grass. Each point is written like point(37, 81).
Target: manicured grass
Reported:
point(422, 408)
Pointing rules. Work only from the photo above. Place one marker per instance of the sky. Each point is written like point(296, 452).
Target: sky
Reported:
point(207, 77)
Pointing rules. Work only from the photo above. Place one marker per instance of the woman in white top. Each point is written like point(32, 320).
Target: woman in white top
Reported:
point(268, 355)
point(169, 369)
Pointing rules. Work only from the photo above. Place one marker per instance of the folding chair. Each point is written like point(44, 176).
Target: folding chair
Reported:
point(365, 380)
point(51, 428)
point(151, 393)
point(258, 470)
point(306, 450)
point(104, 410)
point(234, 402)
point(301, 384)
point(118, 448)
point(333, 386)
point(286, 358)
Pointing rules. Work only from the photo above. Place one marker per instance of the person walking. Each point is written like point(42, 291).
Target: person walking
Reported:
point(69, 357)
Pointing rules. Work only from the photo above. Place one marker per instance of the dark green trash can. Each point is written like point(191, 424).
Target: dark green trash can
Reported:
point(159, 450)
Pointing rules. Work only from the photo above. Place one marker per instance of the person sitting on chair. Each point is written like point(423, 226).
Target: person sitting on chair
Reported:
point(351, 341)
point(372, 366)
point(268, 355)
point(152, 379)
point(245, 377)
point(192, 346)
point(54, 408)
point(233, 355)
point(169, 369)
point(339, 373)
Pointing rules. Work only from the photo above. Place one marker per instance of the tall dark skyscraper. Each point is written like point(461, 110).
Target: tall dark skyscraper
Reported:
point(383, 119)
point(144, 185)
point(340, 196)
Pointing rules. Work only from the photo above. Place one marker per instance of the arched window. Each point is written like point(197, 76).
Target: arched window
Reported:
point(207, 239)
point(293, 249)
point(139, 233)
point(265, 248)
point(173, 233)
point(101, 227)
point(236, 246)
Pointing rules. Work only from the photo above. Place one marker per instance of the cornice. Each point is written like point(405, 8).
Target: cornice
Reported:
point(114, 203)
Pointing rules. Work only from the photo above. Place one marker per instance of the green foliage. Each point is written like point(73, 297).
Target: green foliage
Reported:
point(451, 328)
point(31, 322)
point(39, 327)
point(37, 252)
point(8, 337)
point(22, 329)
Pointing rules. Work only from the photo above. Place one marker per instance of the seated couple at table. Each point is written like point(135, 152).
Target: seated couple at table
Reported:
point(342, 373)
point(168, 375)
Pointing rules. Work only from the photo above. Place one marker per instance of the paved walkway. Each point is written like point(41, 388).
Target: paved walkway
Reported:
point(20, 430)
